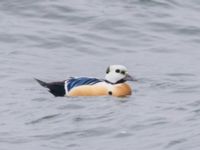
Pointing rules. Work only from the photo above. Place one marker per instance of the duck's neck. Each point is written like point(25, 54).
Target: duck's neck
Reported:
point(118, 82)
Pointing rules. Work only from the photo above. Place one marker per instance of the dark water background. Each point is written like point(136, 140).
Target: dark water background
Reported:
point(158, 40)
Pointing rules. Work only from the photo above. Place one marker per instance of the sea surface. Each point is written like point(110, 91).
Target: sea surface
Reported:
point(158, 41)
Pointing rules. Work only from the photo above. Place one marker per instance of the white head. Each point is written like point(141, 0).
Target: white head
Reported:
point(117, 74)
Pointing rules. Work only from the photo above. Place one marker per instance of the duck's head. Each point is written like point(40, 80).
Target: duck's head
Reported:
point(117, 74)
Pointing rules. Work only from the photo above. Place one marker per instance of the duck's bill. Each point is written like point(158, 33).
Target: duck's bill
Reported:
point(129, 78)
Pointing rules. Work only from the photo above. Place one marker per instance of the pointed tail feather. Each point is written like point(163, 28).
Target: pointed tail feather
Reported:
point(42, 83)
point(55, 88)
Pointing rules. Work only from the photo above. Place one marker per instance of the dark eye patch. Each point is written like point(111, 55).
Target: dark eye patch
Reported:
point(108, 70)
point(123, 72)
point(117, 70)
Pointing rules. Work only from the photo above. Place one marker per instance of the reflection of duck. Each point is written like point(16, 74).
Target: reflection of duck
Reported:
point(113, 84)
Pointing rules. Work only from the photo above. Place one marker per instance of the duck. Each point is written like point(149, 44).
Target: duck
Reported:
point(114, 84)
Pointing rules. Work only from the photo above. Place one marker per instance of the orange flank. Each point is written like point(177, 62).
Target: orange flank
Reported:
point(88, 90)
point(118, 90)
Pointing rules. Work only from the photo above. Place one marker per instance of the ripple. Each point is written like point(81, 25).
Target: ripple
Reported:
point(155, 3)
point(181, 74)
point(45, 118)
point(40, 99)
point(175, 142)
point(123, 134)
point(53, 135)
point(71, 106)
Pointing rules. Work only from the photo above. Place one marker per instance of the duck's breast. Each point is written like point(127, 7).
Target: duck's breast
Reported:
point(121, 90)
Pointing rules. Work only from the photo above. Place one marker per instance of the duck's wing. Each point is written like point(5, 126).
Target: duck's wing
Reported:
point(55, 88)
point(75, 82)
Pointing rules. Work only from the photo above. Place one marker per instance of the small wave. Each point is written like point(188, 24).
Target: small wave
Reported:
point(49, 117)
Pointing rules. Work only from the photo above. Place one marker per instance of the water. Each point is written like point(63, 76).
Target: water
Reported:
point(158, 40)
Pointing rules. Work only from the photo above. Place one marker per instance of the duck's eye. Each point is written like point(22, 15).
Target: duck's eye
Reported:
point(117, 70)
point(123, 72)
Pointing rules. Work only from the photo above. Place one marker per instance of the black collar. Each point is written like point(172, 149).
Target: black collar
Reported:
point(118, 82)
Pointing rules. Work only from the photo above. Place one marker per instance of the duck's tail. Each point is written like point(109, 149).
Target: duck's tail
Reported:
point(55, 88)
point(42, 83)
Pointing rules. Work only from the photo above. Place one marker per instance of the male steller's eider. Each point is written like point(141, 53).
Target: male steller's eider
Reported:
point(113, 84)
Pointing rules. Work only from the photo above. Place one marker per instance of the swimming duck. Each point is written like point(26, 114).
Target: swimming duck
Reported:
point(114, 84)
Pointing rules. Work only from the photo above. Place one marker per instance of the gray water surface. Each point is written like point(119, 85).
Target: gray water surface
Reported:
point(158, 40)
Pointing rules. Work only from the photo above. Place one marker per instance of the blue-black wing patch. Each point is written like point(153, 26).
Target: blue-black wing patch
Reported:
point(74, 82)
